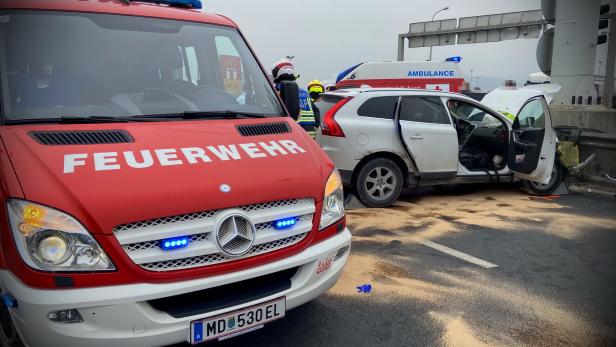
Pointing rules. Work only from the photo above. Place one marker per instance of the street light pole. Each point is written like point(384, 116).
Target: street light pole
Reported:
point(435, 13)
point(471, 86)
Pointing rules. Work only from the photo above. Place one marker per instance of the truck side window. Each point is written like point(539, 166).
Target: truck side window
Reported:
point(379, 107)
point(424, 110)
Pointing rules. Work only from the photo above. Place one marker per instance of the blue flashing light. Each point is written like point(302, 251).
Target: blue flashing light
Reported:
point(455, 59)
point(285, 223)
point(174, 243)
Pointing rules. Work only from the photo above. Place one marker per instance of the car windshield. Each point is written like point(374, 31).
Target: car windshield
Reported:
point(60, 64)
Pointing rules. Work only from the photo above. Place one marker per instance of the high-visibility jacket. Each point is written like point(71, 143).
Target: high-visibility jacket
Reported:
point(306, 115)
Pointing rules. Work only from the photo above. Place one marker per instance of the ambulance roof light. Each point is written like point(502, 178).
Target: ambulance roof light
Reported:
point(455, 59)
point(346, 72)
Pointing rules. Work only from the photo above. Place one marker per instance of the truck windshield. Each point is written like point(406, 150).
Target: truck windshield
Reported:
point(61, 64)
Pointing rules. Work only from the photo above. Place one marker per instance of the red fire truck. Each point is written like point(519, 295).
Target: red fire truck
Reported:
point(155, 189)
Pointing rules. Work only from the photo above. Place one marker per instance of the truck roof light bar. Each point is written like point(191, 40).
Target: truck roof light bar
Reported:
point(196, 4)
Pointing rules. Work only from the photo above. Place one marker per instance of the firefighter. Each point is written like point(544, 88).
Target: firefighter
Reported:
point(307, 117)
point(315, 88)
point(284, 70)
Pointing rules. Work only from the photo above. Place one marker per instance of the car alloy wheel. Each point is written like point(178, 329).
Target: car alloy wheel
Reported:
point(380, 183)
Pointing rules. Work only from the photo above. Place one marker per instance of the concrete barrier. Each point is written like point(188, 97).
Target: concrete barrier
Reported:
point(596, 118)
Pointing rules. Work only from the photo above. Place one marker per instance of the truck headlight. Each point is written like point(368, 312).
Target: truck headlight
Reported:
point(333, 200)
point(50, 240)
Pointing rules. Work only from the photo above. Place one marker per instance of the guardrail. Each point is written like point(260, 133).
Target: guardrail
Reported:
point(600, 147)
point(586, 138)
point(598, 141)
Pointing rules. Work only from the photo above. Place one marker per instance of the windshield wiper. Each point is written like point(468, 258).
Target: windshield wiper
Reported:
point(223, 114)
point(205, 114)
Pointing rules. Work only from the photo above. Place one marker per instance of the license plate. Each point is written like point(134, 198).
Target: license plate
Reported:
point(236, 323)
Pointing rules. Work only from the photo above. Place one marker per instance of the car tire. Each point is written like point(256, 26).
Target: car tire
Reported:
point(558, 174)
point(379, 183)
point(8, 334)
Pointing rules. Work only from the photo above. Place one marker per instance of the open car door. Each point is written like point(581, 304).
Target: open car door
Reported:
point(532, 145)
point(427, 134)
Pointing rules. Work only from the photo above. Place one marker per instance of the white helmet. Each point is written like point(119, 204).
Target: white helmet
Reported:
point(283, 70)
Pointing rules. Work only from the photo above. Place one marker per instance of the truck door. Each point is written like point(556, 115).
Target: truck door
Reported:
point(429, 136)
point(532, 145)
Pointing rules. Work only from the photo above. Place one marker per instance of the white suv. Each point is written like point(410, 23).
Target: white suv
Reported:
point(385, 139)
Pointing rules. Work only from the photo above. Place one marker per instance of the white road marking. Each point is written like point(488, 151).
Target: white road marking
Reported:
point(457, 254)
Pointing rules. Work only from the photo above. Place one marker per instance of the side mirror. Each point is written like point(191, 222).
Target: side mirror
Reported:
point(289, 92)
point(530, 122)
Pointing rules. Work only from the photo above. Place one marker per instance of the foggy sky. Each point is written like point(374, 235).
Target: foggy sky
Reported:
point(327, 37)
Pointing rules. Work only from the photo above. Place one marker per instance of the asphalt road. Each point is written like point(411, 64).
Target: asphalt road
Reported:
point(554, 282)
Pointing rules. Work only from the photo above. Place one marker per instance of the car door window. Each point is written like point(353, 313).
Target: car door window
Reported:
point(532, 116)
point(327, 102)
point(472, 114)
point(424, 110)
point(379, 107)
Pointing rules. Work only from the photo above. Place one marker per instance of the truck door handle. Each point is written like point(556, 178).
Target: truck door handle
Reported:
point(416, 137)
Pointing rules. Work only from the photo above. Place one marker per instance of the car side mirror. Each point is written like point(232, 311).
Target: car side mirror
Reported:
point(530, 122)
point(289, 92)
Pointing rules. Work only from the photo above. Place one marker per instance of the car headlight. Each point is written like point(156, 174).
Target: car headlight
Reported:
point(333, 200)
point(50, 240)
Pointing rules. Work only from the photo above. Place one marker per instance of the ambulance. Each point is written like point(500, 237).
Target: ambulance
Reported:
point(432, 75)
point(155, 190)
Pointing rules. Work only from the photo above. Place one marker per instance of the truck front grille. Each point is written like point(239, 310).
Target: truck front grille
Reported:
point(218, 258)
point(141, 240)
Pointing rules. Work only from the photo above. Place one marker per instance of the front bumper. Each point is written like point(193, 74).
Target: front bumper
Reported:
point(121, 316)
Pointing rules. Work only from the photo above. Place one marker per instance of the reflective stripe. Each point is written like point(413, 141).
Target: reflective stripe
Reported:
point(306, 119)
point(306, 115)
point(310, 128)
point(311, 132)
